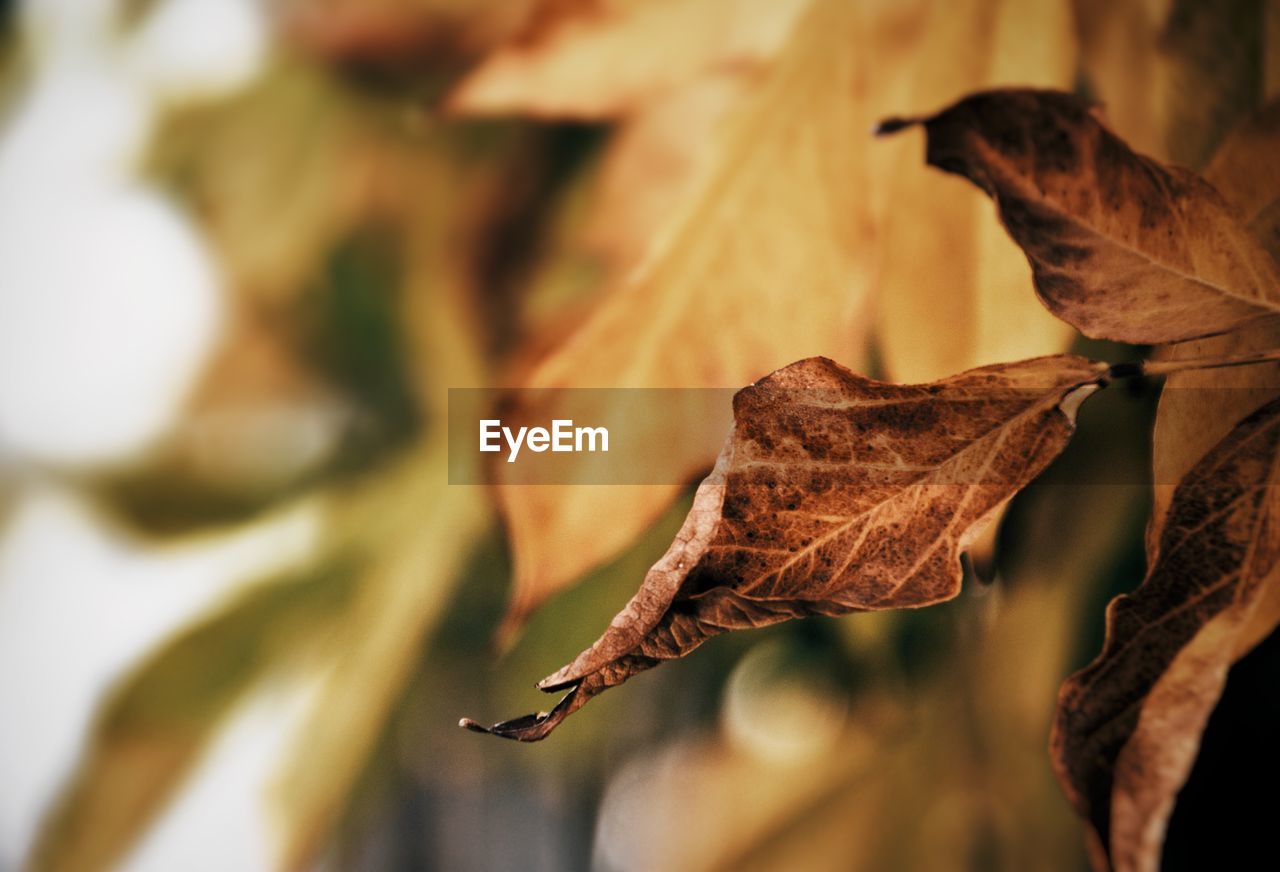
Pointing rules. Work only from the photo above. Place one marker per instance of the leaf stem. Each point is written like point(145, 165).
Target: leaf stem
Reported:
point(1165, 367)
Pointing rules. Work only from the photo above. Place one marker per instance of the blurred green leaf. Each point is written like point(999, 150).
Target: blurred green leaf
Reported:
point(153, 728)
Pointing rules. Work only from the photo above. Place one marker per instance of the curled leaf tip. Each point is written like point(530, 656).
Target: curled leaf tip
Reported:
point(890, 126)
point(527, 728)
point(555, 681)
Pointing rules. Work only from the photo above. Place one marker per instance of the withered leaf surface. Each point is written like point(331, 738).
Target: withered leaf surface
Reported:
point(1200, 406)
point(1128, 726)
point(1121, 246)
point(834, 494)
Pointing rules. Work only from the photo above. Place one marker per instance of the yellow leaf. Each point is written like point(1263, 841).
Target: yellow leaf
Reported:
point(768, 262)
point(952, 288)
point(656, 159)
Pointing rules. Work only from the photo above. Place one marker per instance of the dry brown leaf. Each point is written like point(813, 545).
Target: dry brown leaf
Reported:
point(953, 286)
point(766, 264)
point(1128, 726)
point(1120, 246)
point(610, 57)
point(1198, 408)
point(835, 493)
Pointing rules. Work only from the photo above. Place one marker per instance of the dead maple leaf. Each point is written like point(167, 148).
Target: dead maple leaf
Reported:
point(1128, 726)
point(1121, 246)
point(654, 163)
point(834, 494)
point(784, 206)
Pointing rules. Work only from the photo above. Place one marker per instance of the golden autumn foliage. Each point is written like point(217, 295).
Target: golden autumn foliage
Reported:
point(960, 329)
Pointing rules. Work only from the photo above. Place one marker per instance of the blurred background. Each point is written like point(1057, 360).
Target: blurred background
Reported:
point(247, 247)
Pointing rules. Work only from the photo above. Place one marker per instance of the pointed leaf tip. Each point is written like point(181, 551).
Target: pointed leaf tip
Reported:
point(890, 126)
point(529, 728)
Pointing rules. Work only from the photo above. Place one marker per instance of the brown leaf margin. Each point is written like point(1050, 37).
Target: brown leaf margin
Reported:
point(1128, 726)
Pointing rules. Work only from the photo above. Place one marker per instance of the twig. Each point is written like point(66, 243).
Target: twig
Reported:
point(1165, 367)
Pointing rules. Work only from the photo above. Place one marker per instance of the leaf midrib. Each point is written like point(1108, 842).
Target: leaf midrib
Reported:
point(1021, 184)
